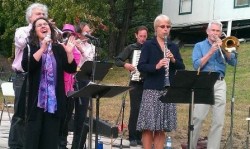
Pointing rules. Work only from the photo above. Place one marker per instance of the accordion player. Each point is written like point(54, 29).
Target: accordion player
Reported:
point(132, 54)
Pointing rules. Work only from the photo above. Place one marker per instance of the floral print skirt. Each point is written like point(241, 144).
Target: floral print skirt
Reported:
point(155, 115)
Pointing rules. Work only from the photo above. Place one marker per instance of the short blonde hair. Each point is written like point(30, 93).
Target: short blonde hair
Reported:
point(159, 18)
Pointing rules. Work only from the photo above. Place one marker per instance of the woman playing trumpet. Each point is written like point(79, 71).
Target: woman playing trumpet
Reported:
point(69, 81)
point(83, 51)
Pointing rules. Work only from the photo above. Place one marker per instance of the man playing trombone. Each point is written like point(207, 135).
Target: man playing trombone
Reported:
point(209, 56)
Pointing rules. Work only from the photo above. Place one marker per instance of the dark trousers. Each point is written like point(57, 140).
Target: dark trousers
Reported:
point(16, 134)
point(79, 137)
point(64, 125)
point(81, 109)
point(42, 132)
point(135, 102)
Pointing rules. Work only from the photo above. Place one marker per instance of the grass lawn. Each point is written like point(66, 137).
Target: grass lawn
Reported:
point(110, 108)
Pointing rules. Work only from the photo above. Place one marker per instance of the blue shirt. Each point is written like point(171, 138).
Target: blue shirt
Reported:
point(215, 63)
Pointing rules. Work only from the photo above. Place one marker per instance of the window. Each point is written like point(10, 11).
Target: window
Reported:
point(185, 6)
point(241, 3)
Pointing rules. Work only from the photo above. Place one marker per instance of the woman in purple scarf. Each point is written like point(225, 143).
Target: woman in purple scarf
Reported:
point(45, 61)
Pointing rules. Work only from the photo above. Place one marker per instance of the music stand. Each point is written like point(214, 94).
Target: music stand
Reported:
point(92, 70)
point(98, 91)
point(191, 87)
point(86, 71)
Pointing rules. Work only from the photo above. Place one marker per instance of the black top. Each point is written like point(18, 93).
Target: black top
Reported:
point(127, 53)
point(151, 54)
point(35, 73)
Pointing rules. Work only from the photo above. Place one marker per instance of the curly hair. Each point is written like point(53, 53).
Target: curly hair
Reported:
point(33, 38)
point(35, 6)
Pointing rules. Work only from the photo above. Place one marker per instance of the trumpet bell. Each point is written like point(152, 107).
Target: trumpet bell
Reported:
point(230, 44)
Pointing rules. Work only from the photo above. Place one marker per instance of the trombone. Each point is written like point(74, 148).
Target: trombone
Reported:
point(229, 44)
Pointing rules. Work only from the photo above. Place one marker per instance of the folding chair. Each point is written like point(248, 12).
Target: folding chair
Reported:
point(8, 91)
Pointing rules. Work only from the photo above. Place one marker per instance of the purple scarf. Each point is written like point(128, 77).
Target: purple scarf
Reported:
point(46, 93)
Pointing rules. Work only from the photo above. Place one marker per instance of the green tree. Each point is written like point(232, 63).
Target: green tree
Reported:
point(10, 19)
point(126, 15)
point(12, 16)
point(114, 21)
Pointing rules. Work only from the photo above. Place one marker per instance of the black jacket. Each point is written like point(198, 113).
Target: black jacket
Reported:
point(151, 54)
point(127, 54)
point(34, 74)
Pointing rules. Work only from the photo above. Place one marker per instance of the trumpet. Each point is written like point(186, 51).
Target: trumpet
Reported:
point(57, 30)
point(63, 37)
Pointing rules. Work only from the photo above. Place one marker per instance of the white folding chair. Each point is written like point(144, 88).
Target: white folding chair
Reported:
point(8, 91)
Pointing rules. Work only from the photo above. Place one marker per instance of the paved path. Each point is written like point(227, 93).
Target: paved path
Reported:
point(108, 143)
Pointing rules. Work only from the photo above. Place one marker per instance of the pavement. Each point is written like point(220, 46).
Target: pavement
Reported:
point(108, 143)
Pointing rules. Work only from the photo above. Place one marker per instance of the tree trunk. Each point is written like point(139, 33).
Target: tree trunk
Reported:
point(117, 39)
point(127, 17)
point(112, 32)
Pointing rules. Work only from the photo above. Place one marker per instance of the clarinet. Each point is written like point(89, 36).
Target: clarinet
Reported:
point(165, 52)
point(165, 45)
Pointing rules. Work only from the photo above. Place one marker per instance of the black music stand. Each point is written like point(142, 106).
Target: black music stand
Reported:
point(98, 91)
point(86, 71)
point(191, 87)
point(95, 71)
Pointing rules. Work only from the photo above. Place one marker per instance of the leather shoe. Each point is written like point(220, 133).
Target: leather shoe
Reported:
point(201, 144)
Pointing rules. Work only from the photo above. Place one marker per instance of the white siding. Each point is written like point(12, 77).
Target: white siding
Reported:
point(203, 11)
point(224, 11)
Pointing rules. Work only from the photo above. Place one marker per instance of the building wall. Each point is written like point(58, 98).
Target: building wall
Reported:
point(203, 11)
point(225, 11)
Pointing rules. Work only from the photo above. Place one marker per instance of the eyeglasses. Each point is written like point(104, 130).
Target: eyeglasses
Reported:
point(165, 26)
point(42, 24)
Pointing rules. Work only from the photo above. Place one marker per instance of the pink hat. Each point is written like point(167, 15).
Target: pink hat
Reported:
point(68, 27)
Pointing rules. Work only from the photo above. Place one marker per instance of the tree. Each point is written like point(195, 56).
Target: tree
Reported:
point(114, 21)
point(10, 19)
point(12, 16)
point(126, 15)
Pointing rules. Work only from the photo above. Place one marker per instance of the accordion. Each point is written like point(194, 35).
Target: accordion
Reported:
point(135, 75)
